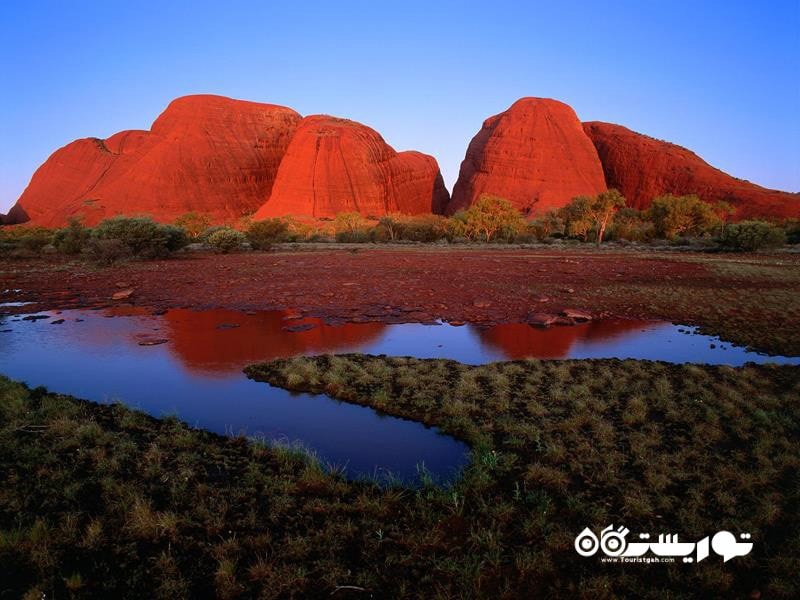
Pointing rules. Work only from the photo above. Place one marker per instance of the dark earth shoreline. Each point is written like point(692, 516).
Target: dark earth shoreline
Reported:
point(748, 299)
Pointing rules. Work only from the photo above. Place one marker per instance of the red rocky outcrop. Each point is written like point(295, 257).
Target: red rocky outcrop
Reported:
point(643, 168)
point(208, 154)
point(336, 165)
point(535, 154)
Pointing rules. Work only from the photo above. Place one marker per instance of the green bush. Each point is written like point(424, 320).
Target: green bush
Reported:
point(262, 234)
point(752, 235)
point(548, 225)
point(106, 251)
point(675, 216)
point(177, 237)
point(144, 237)
point(389, 228)
point(203, 238)
point(194, 224)
point(423, 228)
point(226, 240)
point(792, 227)
point(631, 224)
point(491, 218)
point(351, 227)
point(72, 238)
point(28, 240)
point(577, 218)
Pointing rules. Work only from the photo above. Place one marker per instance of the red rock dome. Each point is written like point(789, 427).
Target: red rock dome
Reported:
point(336, 165)
point(204, 153)
point(643, 168)
point(535, 154)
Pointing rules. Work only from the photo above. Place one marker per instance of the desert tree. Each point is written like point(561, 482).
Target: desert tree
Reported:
point(577, 217)
point(603, 208)
point(491, 217)
point(675, 216)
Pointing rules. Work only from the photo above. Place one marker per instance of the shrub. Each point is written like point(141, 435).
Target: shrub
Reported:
point(491, 218)
point(144, 237)
point(177, 237)
point(390, 227)
point(548, 225)
point(106, 251)
point(194, 224)
point(226, 240)
point(457, 226)
point(674, 216)
point(577, 217)
point(350, 227)
point(631, 224)
point(792, 227)
point(72, 238)
point(30, 240)
point(423, 228)
point(262, 234)
point(300, 231)
point(203, 237)
point(752, 235)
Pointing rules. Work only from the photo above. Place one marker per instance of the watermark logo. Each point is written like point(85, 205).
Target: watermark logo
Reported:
point(614, 544)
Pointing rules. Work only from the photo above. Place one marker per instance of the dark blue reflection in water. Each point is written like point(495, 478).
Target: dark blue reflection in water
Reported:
point(197, 373)
point(99, 359)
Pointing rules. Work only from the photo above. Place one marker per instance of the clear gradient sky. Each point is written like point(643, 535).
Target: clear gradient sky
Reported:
point(722, 78)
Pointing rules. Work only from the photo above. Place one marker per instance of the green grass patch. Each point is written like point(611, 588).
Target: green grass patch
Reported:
point(103, 501)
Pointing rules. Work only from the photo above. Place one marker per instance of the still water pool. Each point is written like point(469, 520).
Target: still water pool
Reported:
point(189, 363)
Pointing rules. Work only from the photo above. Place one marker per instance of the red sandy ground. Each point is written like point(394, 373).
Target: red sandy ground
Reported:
point(396, 284)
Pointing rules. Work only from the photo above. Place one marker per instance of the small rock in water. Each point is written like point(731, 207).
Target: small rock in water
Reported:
point(151, 341)
point(541, 319)
point(35, 317)
point(122, 295)
point(577, 315)
point(298, 328)
point(57, 322)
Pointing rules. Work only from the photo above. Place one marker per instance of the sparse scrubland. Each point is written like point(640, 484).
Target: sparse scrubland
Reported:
point(103, 501)
point(99, 500)
point(676, 220)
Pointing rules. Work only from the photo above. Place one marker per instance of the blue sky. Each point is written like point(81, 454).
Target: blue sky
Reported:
point(722, 78)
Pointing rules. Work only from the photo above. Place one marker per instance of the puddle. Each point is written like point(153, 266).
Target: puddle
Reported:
point(190, 364)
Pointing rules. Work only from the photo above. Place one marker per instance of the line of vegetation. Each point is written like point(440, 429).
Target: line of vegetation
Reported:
point(102, 501)
point(680, 220)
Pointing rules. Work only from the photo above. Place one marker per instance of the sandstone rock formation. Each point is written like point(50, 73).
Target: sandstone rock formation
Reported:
point(535, 154)
point(204, 153)
point(643, 168)
point(336, 165)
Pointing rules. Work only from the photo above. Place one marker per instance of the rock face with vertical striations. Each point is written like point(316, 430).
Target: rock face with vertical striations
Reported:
point(208, 154)
point(336, 165)
point(643, 168)
point(535, 154)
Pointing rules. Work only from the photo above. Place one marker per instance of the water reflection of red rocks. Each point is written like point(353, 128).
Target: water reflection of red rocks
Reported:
point(519, 340)
point(223, 341)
